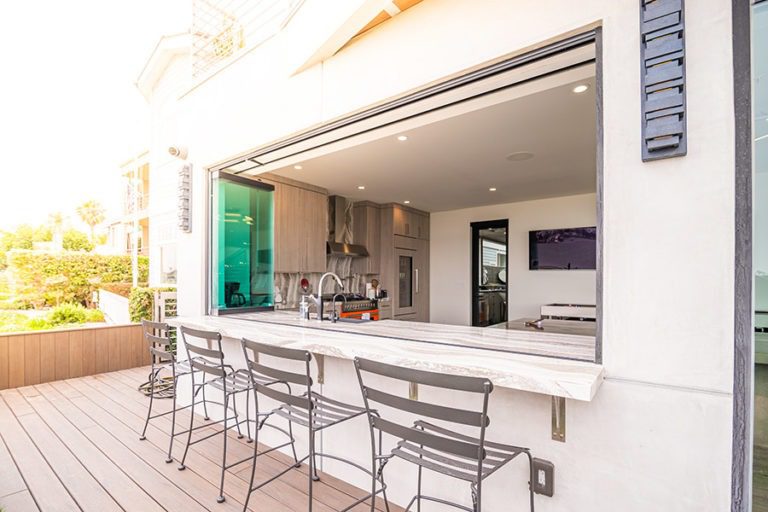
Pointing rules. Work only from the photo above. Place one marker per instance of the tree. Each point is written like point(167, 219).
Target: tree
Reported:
point(75, 240)
point(92, 214)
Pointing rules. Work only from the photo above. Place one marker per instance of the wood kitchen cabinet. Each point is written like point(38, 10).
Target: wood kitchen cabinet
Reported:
point(405, 261)
point(301, 225)
point(410, 222)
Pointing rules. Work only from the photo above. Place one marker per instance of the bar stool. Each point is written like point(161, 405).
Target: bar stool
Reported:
point(163, 354)
point(210, 362)
point(309, 409)
point(438, 448)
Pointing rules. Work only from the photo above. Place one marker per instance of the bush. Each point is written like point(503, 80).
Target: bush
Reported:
point(141, 302)
point(67, 314)
point(38, 324)
point(44, 278)
point(75, 240)
point(94, 315)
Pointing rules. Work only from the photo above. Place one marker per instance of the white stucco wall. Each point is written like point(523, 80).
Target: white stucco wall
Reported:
point(451, 258)
point(658, 436)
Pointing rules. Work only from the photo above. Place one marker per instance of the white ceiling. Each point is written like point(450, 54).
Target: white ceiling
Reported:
point(451, 164)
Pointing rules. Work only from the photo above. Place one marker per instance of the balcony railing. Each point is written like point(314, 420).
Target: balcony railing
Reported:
point(223, 28)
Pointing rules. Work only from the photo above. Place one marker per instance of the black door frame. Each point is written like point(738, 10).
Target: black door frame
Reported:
point(475, 228)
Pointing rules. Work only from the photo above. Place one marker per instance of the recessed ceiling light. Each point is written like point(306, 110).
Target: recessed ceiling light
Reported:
point(580, 88)
point(406, 202)
point(402, 138)
point(361, 187)
point(492, 189)
point(298, 167)
point(519, 156)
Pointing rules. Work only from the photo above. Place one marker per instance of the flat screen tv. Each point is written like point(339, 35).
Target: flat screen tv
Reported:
point(563, 249)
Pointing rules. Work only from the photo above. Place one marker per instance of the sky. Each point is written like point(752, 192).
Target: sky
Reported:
point(70, 112)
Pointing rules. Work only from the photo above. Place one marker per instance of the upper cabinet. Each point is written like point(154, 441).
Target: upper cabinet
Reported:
point(409, 222)
point(301, 225)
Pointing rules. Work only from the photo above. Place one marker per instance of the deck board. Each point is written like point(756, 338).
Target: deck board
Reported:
point(74, 445)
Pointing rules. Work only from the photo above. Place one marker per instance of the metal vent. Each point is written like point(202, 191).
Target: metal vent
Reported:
point(663, 79)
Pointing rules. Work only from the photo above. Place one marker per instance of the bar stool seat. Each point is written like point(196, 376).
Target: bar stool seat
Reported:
point(441, 462)
point(325, 412)
point(238, 381)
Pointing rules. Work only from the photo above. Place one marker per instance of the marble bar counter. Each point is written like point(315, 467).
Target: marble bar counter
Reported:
point(447, 349)
point(556, 343)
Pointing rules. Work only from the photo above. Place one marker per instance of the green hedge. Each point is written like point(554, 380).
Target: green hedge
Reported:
point(141, 302)
point(47, 278)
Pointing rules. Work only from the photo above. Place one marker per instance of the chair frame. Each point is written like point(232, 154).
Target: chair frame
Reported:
point(439, 449)
point(306, 409)
point(157, 336)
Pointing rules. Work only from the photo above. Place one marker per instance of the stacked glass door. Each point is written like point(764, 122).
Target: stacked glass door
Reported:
point(242, 244)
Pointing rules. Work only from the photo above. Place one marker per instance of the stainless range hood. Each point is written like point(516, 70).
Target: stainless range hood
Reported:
point(340, 225)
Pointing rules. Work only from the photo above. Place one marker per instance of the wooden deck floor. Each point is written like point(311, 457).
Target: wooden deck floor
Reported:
point(74, 445)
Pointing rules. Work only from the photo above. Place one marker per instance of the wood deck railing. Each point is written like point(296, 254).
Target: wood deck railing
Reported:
point(36, 357)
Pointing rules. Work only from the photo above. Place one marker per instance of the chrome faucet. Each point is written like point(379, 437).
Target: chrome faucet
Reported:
point(319, 299)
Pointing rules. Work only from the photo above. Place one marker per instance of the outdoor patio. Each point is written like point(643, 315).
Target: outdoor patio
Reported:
point(74, 445)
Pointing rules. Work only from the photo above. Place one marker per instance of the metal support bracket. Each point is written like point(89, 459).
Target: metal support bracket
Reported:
point(413, 391)
point(558, 418)
point(320, 358)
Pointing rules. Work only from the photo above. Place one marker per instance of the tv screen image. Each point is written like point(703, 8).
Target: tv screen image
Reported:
point(563, 249)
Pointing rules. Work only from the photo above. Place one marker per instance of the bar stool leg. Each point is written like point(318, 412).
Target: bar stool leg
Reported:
point(220, 499)
point(531, 476)
point(169, 459)
point(315, 477)
point(205, 405)
point(311, 460)
point(253, 467)
point(248, 415)
point(152, 378)
point(182, 467)
point(237, 416)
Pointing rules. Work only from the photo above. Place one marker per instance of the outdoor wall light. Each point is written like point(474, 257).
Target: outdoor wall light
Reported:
point(179, 152)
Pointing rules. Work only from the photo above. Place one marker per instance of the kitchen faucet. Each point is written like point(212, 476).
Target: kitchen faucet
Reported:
point(319, 298)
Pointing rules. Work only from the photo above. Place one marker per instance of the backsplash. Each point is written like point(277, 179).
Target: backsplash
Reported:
point(289, 284)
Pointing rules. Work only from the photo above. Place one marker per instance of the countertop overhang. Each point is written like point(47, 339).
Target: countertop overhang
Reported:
point(578, 380)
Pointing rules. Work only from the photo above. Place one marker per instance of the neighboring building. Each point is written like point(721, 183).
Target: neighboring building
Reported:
point(147, 219)
point(438, 117)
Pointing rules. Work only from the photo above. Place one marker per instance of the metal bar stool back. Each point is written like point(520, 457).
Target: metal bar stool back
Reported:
point(431, 440)
point(308, 409)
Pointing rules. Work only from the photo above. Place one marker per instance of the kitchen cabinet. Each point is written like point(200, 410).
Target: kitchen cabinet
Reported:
point(409, 222)
point(366, 231)
point(301, 225)
point(404, 266)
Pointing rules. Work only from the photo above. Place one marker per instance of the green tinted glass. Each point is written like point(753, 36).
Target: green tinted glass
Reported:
point(242, 244)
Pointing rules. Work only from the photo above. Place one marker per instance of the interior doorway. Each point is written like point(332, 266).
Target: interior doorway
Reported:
point(490, 243)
